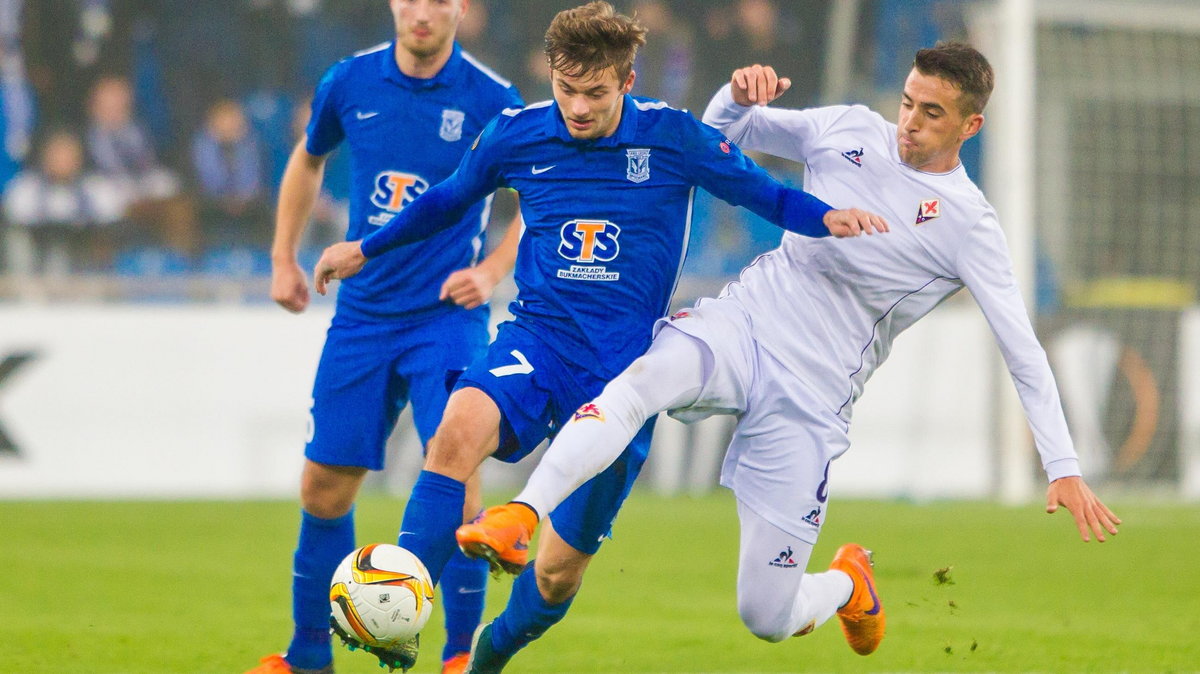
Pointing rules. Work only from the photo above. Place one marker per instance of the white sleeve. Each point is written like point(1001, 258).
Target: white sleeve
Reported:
point(781, 132)
point(986, 269)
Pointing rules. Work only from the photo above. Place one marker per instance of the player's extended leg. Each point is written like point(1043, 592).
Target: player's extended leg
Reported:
point(776, 598)
point(464, 585)
point(469, 433)
point(541, 596)
point(574, 533)
point(327, 496)
point(671, 374)
point(464, 581)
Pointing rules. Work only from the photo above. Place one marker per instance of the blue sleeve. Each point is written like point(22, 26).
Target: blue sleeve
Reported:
point(443, 205)
point(325, 130)
point(717, 165)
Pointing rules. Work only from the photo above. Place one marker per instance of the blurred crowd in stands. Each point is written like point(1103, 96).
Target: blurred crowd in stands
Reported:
point(147, 137)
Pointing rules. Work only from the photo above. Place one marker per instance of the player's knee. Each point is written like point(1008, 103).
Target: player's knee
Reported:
point(326, 503)
point(455, 450)
point(765, 619)
point(327, 511)
point(558, 583)
point(329, 491)
point(325, 500)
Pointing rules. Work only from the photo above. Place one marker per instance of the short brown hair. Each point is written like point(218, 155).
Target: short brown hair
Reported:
point(963, 66)
point(592, 38)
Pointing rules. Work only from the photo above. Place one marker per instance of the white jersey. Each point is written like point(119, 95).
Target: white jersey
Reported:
point(828, 309)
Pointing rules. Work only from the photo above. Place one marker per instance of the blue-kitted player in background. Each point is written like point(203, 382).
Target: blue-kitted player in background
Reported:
point(606, 184)
point(408, 110)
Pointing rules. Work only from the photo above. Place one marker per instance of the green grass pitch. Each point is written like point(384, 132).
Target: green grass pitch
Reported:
point(204, 587)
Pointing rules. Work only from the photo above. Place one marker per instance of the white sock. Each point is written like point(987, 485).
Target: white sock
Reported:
point(821, 595)
point(585, 446)
point(670, 375)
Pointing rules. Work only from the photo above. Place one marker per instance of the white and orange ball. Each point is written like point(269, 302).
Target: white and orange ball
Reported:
point(381, 594)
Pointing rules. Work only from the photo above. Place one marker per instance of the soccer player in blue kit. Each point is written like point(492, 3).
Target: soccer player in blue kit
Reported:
point(408, 110)
point(606, 183)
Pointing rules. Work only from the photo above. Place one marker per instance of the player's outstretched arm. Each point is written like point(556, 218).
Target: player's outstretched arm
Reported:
point(854, 221)
point(297, 194)
point(1090, 514)
point(757, 85)
point(471, 287)
point(717, 165)
point(437, 209)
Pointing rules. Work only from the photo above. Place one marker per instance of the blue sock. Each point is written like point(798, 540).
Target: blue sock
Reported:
point(464, 583)
point(434, 511)
point(527, 615)
point(323, 544)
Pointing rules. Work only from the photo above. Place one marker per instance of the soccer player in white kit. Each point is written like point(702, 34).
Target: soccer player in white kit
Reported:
point(788, 346)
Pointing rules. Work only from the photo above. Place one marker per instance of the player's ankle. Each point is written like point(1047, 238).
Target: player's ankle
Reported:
point(536, 515)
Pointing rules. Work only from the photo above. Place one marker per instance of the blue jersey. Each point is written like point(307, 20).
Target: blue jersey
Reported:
point(606, 220)
point(405, 134)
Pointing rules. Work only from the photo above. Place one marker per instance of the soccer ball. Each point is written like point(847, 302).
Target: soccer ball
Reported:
point(382, 595)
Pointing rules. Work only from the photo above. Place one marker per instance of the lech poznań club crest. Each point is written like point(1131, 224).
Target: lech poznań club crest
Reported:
point(638, 169)
point(452, 123)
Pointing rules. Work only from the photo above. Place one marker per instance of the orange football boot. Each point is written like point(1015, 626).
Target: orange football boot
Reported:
point(456, 664)
point(501, 536)
point(862, 617)
point(272, 664)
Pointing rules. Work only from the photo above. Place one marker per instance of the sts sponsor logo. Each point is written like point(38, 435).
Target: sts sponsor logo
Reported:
point(393, 191)
point(589, 241)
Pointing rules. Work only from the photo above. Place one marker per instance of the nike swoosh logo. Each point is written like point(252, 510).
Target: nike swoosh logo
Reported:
point(874, 597)
point(538, 171)
point(365, 115)
point(520, 545)
point(470, 590)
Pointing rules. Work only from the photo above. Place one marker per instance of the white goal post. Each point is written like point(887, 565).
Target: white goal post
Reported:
point(1093, 158)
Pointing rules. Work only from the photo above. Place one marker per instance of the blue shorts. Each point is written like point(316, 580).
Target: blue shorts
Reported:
point(368, 373)
point(537, 392)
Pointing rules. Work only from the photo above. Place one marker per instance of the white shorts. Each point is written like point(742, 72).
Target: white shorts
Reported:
point(778, 460)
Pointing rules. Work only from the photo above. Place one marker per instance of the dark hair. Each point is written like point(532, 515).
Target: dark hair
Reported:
point(963, 66)
point(592, 38)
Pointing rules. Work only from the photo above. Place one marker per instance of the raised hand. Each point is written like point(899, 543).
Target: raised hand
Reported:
point(757, 85)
